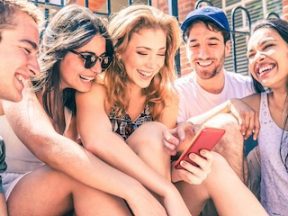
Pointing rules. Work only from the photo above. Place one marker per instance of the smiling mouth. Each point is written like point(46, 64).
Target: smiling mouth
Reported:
point(265, 69)
point(204, 63)
point(87, 78)
point(145, 74)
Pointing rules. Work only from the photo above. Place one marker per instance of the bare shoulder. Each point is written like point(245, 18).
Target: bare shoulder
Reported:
point(253, 101)
point(97, 92)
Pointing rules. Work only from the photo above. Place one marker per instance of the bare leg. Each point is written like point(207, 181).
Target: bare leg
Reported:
point(229, 193)
point(231, 145)
point(88, 201)
point(231, 148)
point(146, 141)
point(3, 206)
point(49, 192)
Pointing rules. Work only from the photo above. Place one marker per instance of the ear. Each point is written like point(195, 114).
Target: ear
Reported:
point(227, 48)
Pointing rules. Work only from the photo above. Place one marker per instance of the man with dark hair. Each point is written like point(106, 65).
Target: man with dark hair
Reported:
point(206, 33)
point(19, 38)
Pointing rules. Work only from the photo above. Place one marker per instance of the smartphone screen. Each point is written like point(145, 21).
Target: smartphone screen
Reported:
point(206, 138)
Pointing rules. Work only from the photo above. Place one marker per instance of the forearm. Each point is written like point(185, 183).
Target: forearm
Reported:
point(75, 161)
point(121, 156)
point(34, 129)
point(222, 108)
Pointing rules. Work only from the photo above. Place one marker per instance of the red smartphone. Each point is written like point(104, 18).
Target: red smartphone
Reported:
point(206, 138)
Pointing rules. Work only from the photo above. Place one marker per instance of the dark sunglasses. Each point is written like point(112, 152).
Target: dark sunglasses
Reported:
point(90, 59)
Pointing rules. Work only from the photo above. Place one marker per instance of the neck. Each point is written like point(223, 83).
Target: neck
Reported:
point(133, 91)
point(213, 85)
point(278, 99)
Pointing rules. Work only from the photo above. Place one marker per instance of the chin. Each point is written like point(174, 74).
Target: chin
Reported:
point(83, 90)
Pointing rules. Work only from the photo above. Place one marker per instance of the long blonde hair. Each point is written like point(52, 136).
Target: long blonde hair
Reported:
point(121, 28)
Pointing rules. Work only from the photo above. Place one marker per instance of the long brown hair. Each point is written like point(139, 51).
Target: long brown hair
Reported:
point(121, 28)
point(72, 27)
point(281, 27)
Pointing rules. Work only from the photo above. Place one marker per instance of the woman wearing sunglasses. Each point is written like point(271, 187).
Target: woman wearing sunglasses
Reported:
point(135, 100)
point(75, 48)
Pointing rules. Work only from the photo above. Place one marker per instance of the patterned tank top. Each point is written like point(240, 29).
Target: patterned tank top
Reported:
point(124, 126)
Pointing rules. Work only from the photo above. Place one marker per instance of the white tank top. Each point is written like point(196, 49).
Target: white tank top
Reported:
point(19, 158)
point(274, 177)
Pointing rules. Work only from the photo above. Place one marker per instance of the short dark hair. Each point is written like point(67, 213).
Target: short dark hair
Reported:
point(211, 26)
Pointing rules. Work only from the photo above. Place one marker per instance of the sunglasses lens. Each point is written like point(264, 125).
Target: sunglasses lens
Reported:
point(90, 61)
point(106, 61)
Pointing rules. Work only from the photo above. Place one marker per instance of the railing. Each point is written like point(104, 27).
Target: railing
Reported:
point(238, 32)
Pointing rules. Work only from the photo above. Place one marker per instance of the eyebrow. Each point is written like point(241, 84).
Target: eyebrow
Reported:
point(266, 40)
point(33, 44)
point(148, 48)
point(209, 39)
point(263, 42)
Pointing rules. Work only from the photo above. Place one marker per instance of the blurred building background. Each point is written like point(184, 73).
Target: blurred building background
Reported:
point(241, 15)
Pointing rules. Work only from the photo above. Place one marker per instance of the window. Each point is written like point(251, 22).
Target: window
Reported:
point(257, 10)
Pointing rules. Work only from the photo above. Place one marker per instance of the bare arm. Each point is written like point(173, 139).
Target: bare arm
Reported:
point(169, 113)
point(103, 142)
point(245, 114)
point(32, 126)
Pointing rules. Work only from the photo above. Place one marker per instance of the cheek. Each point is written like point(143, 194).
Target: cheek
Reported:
point(251, 71)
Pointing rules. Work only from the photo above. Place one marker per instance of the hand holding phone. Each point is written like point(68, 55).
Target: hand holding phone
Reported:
point(206, 138)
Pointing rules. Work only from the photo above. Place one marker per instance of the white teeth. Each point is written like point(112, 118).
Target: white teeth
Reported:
point(205, 63)
point(145, 73)
point(88, 78)
point(265, 68)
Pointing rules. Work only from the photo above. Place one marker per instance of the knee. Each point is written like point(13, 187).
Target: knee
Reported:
point(149, 136)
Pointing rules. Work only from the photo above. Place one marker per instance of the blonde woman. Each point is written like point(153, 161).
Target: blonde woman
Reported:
point(122, 119)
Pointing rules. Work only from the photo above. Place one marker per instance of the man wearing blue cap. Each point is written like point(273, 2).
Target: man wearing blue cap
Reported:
point(207, 35)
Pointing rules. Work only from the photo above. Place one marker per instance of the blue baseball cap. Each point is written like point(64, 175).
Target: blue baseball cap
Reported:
point(209, 13)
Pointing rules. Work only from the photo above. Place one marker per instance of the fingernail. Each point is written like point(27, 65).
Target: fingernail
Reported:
point(183, 163)
point(203, 152)
point(192, 156)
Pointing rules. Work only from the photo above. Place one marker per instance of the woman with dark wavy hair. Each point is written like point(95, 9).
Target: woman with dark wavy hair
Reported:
point(267, 55)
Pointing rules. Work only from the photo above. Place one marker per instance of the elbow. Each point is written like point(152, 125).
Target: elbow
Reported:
point(93, 147)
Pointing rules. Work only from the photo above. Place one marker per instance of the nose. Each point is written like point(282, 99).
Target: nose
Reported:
point(154, 62)
point(33, 66)
point(203, 52)
point(259, 56)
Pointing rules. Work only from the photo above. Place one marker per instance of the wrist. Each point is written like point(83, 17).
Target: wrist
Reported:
point(135, 189)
